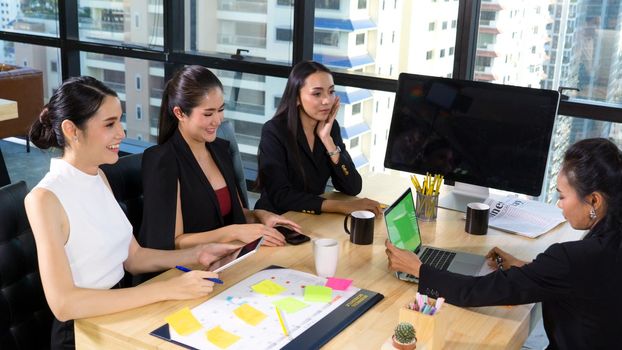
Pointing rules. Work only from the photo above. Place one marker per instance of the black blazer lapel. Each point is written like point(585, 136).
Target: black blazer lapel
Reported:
point(185, 154)
point(304, 145)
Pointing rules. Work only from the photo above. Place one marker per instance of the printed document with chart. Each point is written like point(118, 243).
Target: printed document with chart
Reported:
point(522, 216)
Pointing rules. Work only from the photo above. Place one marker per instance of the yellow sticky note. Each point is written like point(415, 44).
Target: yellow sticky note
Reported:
point(183, 322)
point(290, 305)
point(318, 293)
point(268, 288)
point(221, 338)
point(249, 314)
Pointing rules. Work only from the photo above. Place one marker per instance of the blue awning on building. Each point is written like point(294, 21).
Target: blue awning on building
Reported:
point(351, 97)
point(343, 61)
point(359, 161)
point(346, 25)
point(353, 130)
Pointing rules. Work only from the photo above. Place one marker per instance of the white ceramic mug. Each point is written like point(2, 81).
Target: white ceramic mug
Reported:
point(326, 252)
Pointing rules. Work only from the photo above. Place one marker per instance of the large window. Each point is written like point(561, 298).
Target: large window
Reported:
point(45, 59)
point(116, 21)
point(573, 43)
point(30, 17)
point(363, 30)
point(224, 26)
point(122, 74)
point(135, 46)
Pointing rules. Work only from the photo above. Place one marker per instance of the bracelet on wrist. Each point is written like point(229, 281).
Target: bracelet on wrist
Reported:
point(332, 153)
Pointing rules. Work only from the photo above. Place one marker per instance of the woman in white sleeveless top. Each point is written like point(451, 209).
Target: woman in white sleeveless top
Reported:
point(84, 241)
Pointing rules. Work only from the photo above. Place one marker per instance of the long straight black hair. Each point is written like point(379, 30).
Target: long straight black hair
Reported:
point(186, 89)
point(289, 109)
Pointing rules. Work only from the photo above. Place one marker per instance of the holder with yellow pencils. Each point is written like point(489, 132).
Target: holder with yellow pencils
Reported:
point(427, 196)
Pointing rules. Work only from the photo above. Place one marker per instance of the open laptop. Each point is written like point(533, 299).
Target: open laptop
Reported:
point(403, 230)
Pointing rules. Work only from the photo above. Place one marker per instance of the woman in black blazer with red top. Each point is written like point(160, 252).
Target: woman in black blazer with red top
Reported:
point(301, 148)
point(579, 283)
point(190, 193)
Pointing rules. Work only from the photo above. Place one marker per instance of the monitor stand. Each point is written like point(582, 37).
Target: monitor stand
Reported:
point(461, 195)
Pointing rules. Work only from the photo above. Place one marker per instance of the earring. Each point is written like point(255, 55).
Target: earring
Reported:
point(592, 213)
point(75, 139)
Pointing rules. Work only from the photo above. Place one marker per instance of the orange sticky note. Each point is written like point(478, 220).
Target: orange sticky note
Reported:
point(249, 314)
point(183, 322)
point(221, 338)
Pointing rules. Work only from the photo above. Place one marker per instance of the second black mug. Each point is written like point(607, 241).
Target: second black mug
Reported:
point(361, 226)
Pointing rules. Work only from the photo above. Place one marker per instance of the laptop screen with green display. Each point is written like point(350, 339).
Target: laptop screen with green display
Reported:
point(401, 221)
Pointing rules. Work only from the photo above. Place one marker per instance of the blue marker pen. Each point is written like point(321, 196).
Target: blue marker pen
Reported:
point(185, 269)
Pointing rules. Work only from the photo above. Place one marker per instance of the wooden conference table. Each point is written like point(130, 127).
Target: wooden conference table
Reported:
point(500, 327)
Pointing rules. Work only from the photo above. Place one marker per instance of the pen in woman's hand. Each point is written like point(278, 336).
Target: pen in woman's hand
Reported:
point(212, 279)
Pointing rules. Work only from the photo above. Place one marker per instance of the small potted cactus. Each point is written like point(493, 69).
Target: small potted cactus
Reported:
point(404, 337)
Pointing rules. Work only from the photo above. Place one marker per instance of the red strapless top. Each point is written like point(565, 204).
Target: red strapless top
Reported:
point(224, 200)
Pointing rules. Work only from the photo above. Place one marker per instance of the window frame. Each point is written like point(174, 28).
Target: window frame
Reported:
point(174, 55)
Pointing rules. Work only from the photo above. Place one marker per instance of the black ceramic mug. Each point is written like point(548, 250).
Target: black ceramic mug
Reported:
point(477, 218)
point(361, 226)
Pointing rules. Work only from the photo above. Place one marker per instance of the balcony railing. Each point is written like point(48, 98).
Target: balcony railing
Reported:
point(241, 40)
point(482, 69)
point(109, 26)
point(243, 6)
point(245, 108)
point(118, 87)
point(487, 22)
point(156, 93)
point(103, 57)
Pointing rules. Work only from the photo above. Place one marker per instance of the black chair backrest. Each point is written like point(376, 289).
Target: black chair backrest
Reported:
point(126, 181)
point(4, 173)
point(25, 317)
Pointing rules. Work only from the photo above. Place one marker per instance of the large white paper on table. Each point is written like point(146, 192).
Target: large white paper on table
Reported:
point(524, 217)
point(268, 334)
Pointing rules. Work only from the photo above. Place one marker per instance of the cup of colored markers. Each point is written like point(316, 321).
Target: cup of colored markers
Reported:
point(426, 203)
point(425, 305)
point(430, 321)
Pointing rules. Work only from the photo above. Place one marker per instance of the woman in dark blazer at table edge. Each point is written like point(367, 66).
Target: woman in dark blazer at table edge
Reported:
point(190, 191)
point(579, 283)
point(301, 148)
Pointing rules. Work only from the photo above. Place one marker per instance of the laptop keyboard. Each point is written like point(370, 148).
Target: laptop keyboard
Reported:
point(439, 259)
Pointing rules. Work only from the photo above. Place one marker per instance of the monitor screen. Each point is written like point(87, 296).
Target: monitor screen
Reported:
point(472, 132)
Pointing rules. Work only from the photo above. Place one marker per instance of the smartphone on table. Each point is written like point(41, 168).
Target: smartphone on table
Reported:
point(291, 236)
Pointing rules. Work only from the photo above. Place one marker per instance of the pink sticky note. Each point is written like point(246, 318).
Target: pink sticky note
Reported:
point(338, 283)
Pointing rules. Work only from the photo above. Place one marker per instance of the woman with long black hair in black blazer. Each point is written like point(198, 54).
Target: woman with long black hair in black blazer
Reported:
point(190, 191)
point(301, 148)
point(579, 283)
